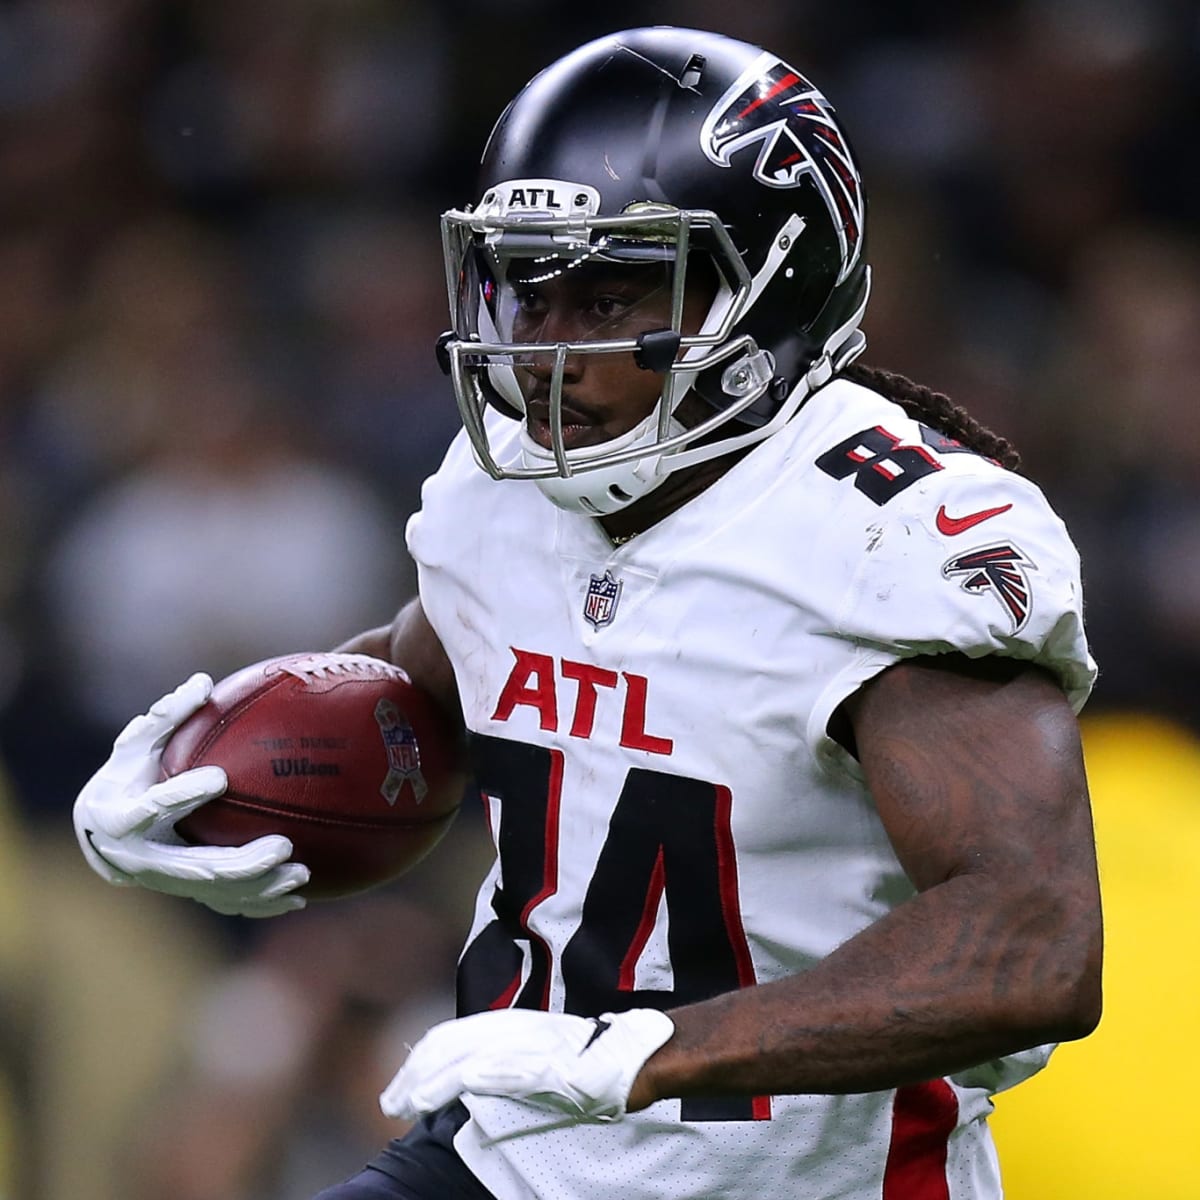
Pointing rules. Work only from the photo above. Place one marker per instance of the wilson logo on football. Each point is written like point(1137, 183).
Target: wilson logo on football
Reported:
point(999, 571)
point(774, 106)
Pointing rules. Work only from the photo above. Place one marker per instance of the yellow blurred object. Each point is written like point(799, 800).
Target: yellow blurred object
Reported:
point(15, 981)
point(1114, 1117)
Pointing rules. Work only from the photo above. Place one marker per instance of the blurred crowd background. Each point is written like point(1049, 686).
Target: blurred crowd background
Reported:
point(220, 285)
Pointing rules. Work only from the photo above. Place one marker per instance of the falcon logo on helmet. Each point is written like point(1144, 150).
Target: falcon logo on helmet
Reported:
point(1000, 570)
point(774, 106)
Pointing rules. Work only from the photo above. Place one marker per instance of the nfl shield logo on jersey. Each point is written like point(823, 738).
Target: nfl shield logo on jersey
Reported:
point(600, 604)
point(403, 754)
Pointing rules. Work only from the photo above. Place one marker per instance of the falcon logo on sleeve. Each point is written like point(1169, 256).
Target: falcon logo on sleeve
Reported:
point(999, 570)
point(790, 124)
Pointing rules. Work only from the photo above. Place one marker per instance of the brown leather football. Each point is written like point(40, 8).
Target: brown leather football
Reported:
point(341, 753)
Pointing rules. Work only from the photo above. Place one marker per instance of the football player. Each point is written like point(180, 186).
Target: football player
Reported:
point(769, 666)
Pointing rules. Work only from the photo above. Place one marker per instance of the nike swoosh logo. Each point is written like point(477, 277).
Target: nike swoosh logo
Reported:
point(952, 525)
point(601, 1027)
point(91, 841)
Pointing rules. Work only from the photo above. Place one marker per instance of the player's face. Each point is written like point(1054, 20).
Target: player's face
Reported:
point(604, 395)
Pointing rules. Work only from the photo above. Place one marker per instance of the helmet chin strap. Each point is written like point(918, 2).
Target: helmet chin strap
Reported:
point(602, 490)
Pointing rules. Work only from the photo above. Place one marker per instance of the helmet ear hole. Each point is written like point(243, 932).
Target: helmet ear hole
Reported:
point(619, 493)
point(703, 273)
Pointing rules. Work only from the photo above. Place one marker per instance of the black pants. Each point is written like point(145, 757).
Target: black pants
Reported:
point(422, 1165)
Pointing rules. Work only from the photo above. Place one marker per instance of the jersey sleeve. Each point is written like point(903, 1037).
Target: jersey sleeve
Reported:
point(973, 561)
point(445, 533)
point(427, 528)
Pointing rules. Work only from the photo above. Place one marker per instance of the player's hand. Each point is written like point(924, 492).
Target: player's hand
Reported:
point(578, 1066)
point(125, 822)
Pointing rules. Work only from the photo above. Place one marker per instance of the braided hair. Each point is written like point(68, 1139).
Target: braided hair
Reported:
point(936, 410)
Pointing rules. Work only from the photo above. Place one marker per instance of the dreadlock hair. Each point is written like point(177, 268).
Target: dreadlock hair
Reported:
point(936, 410)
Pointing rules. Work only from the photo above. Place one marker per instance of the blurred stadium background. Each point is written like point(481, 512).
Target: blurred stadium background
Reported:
point(220, 285)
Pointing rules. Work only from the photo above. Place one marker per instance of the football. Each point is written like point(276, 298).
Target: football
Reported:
point(341, 753)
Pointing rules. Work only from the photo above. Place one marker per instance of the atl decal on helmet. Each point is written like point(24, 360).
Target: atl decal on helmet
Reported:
point(1000, 570)
point(774, 105)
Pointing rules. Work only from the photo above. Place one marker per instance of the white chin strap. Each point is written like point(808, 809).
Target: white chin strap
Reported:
point(602, 490)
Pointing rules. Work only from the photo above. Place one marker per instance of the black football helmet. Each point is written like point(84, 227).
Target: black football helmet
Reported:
point(660, 145)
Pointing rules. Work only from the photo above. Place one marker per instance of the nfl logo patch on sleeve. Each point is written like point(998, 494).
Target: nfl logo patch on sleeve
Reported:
point(600, 603)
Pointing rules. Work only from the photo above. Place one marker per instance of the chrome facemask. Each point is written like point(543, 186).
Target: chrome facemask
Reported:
point(553, 225)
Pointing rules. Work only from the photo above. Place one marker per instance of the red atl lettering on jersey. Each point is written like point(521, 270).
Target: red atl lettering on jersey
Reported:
point(633, 720)
point(540, 669)
point(532, 682)
point(589, 679)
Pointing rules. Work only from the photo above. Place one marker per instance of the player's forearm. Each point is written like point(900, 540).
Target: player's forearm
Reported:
point(933, 988)
point(410, 642)
point(375, 642)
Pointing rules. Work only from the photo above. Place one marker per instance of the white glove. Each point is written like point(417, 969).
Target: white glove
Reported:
point(125, 818)
point(583, 1067)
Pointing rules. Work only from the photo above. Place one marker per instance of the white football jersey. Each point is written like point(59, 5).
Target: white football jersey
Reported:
point(672, 818)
